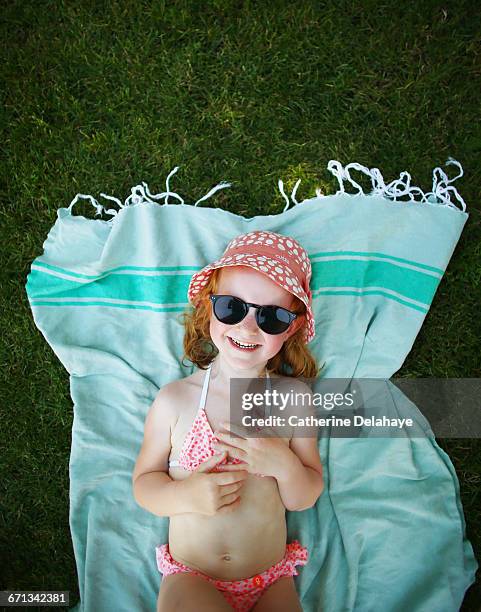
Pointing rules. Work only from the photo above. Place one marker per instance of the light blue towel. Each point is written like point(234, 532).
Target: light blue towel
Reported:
point(388, 533)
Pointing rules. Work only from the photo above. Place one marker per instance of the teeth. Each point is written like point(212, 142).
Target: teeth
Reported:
point(243, 345)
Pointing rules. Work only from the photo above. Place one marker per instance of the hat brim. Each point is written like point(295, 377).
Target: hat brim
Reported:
point(272, 268)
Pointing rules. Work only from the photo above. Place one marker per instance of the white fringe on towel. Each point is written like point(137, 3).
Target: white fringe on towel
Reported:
point(439, 196)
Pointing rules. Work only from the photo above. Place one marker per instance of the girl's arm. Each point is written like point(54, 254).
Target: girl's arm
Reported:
point(153, 489)
point(300, 480)
point(159, 494)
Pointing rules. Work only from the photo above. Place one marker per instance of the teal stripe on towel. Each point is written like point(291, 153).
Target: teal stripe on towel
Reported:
point(166, 287)
point(373, 254)
point(349, 274)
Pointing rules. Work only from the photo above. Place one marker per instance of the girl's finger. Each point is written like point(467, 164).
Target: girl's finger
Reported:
point(234, 452)
point(232, 467)
point(234, 441)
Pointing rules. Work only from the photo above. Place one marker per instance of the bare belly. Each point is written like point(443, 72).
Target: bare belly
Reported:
point(237, 544)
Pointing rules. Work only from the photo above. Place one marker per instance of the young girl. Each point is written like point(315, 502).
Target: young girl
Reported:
point(226, 494)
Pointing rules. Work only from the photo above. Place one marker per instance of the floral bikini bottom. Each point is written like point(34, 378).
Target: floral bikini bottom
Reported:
point(242, 595)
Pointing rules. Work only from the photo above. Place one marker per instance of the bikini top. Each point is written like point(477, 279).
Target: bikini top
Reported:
point(197, 445)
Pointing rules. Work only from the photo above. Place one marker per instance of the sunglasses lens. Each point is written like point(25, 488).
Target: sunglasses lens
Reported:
point(273, 319)
point(229, 310)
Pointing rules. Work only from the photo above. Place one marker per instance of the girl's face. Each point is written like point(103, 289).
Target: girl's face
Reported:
point(251, 286)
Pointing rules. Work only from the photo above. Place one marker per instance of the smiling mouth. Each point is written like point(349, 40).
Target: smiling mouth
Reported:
point(241, 346)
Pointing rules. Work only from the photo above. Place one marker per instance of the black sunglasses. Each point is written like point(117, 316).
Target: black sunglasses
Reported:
point(271, 319)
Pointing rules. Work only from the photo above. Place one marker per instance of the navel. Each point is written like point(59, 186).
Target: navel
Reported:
point(226, 557)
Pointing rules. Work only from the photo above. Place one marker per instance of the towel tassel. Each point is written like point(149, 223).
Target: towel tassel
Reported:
point(439, 196)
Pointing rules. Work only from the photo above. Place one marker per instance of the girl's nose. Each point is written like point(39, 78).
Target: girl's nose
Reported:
point(249, 322)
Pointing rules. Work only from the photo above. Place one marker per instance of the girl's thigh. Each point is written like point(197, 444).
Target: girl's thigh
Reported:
point(187, 592)
point(280, 596)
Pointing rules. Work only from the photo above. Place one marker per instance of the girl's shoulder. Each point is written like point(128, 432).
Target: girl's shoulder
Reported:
point(179, 394)
point(182, 385)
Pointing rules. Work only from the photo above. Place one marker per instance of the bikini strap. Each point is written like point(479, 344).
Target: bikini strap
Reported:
point(268, 386)
point(203, 396)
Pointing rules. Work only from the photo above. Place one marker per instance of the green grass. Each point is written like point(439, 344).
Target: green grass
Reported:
point(99, 96)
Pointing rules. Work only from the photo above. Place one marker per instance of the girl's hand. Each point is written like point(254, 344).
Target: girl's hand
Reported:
point(213, 493)
point(266, 456)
